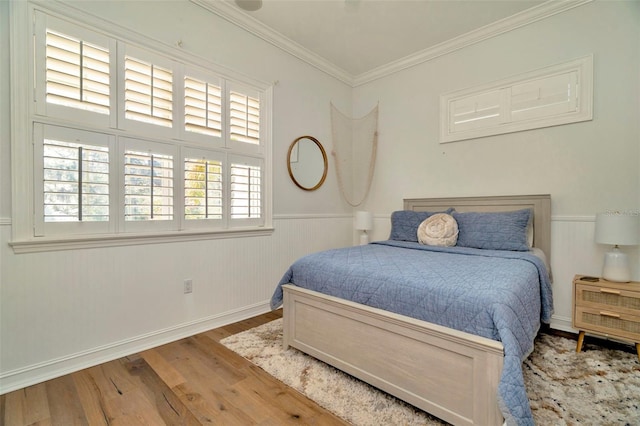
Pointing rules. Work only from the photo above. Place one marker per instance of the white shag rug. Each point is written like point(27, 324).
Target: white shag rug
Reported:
point(595, 387)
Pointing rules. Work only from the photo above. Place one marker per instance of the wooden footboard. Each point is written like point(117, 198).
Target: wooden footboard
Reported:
point(448, 373)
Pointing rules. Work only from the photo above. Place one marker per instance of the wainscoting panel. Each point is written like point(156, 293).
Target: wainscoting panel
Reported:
point(574, 251)
point(61, 311)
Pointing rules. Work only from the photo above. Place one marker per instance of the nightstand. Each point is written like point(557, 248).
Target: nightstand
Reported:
point(608, 309)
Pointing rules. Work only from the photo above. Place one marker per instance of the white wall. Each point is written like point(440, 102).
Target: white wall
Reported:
point(60, 311)
point(586, 167)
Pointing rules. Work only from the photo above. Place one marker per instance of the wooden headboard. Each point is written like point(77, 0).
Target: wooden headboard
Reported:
point(541, 205)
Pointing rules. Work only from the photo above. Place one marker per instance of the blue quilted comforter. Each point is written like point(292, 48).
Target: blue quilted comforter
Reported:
point(501, 295)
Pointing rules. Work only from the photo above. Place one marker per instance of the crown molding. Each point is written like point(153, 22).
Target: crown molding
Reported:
point(529, 16)
point(226, 11)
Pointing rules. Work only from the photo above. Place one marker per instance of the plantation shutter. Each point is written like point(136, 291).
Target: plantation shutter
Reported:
point(155, 142)
point(202, 107)
point(544, 97)
point(73, 185)
point(551, 96)
point(76, 73)
point(244, 117)
point(246, 188)
point(148, 92)
point(75, 182)
point(148, 186)
point(476, 111)
point(203, 190)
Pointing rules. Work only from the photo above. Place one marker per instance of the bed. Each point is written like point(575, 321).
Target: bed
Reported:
point(455, 355)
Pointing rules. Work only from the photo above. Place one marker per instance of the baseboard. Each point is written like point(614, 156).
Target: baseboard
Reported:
point(37, 373)
point(562, 323)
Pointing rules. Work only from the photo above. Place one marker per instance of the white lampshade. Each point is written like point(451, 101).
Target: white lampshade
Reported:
point(617, 229)
point(364, 221)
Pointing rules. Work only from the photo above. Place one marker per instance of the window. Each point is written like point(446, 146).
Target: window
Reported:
point(75, 182)
point(555, 95)
point(202, 189)
point(77, 73)
point(244, 118)
point(148, 92)
point(130, 140)
point(246, 189)
point(202, 107)
point(148, 186)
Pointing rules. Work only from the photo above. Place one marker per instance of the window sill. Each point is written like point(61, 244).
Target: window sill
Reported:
point(100, 241)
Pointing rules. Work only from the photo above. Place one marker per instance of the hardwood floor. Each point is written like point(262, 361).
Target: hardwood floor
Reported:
point(193, 381)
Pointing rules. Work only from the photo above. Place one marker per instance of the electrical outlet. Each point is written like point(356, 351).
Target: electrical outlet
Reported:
point(188, 286)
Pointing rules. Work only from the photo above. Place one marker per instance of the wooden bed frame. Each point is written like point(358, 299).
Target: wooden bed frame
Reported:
point(450, 374)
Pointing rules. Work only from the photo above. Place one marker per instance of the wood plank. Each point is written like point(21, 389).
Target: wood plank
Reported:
point(203, 389)
point(64, 403)
point(194, 381)
point(91, 398)
point(36, 406)
point(280, 404)
point(170, 376)
point(165, 402)
point(15, 407)
point(111, 395)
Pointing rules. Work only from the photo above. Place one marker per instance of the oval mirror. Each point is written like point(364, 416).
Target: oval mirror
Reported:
point(307, 163)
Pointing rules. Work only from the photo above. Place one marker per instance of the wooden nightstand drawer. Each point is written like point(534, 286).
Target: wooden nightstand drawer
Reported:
point(608, 322)
point(606, 308)
point(618, 300)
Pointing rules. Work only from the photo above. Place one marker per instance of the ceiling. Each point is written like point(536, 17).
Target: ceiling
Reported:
point(355, 38)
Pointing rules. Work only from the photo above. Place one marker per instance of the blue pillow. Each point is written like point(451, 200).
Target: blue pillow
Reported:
point(405, 223)
point(494, 230)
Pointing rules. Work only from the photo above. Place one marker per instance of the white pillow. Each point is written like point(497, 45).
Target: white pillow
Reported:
point(441, 229)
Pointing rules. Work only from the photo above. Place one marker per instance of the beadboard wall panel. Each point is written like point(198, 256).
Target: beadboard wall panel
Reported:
point(575, 252)
point(66, 310)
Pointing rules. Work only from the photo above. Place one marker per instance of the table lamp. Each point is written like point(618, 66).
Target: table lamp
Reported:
point(617, 229)
point(364, 223)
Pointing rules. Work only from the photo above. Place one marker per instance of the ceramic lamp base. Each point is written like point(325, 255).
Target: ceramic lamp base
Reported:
point(616, 266)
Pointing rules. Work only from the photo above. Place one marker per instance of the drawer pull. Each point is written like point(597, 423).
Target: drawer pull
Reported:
point(609, 291)
point(609, 314)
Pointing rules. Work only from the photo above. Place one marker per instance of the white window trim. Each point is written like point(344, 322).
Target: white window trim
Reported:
point(583, 68)
point(23, 108)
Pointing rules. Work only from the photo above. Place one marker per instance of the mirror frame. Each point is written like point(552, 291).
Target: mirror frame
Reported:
point(324, 159)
